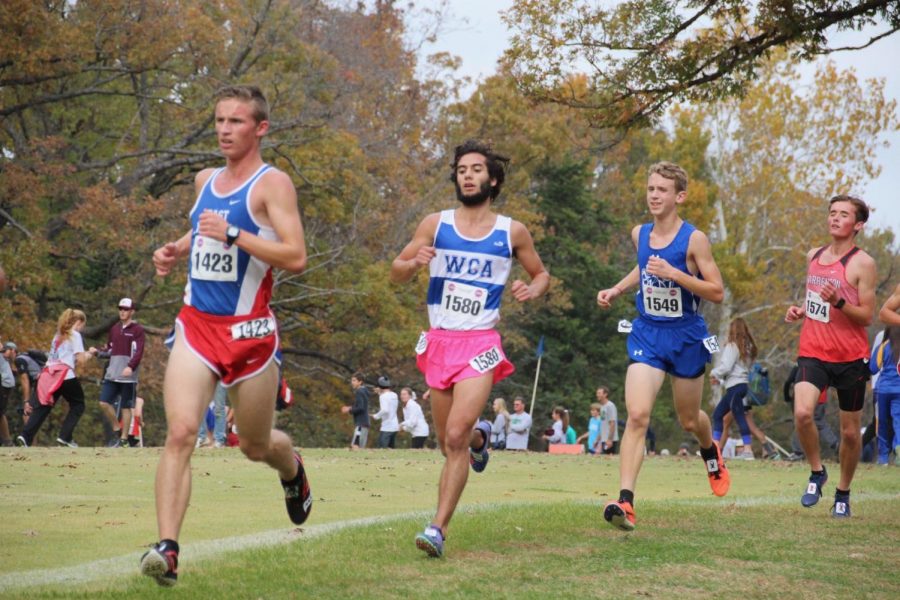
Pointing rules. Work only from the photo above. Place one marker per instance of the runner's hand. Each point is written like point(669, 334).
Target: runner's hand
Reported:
point(794, 313)
point(605, 297)
point(521, 291)
point(164, 258)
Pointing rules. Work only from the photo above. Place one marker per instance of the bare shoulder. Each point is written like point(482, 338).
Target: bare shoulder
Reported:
point(202, 177)
point(519, 234)
point(635, 234)
point(699, 240)
point(276, 180)
point(863, 261)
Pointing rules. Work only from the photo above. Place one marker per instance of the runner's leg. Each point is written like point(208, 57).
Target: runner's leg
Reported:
point(642, 384)
point(187, 388)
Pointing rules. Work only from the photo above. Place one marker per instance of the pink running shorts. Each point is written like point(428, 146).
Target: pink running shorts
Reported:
point(446, 356)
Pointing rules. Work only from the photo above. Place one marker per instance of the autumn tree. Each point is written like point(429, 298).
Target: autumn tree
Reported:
point(106, 116)
point(642, 55)
point(777, 155)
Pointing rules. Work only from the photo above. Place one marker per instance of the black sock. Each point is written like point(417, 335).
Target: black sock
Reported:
point(626, 496)
point(708, 453)
point(168, 544)
point(819, 473)
point(297, 478)
point(483, 444)
point(841, 493)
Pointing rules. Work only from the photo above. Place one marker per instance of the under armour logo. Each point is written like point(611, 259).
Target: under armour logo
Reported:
point(638, 352)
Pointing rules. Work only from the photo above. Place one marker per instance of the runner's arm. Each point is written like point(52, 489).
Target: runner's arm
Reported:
point(526, 254)
point(279, 199)
point(418, 252)
point(864, 313)
point(890, 312)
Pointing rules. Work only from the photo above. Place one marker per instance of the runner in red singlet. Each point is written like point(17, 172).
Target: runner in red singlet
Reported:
point(839, 305)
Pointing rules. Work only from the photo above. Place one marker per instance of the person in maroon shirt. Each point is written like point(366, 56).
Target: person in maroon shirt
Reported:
point(124, 348)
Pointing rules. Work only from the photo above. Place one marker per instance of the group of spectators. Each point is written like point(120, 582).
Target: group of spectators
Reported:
point(45, 378)
point(413, 422)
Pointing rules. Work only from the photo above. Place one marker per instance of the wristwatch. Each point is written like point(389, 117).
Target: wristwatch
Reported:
point(231, 234)
point(840, 304)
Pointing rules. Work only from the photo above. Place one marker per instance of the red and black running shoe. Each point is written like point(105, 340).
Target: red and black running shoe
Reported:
point(161, 563)
point(297, 495)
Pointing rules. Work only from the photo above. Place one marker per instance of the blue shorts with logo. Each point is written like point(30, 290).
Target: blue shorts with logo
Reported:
point(674, 347)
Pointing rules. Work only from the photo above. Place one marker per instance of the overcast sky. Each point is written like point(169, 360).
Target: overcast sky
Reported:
point(481, 41)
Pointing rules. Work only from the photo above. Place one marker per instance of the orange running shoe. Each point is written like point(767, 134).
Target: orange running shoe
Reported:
point(620, 514)
point(719, 480)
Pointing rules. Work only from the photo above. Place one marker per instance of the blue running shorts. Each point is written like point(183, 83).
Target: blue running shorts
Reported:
point(681, 349)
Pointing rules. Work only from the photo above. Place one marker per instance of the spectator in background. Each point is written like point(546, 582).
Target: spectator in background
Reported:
point(732, 372)
point(136, 427)
point(883, 363)
point(7, 384)
point(609, 428)
point(413, 419)
point(571, 435)
point(519, 426)
point(29, 369)
point(593, 432)
point(212, 427)
point(66, 351)
point(651, 440)
point(387, 413)
point(360, 411)
point(557, 433)
point(500, 426)
point(124, 349)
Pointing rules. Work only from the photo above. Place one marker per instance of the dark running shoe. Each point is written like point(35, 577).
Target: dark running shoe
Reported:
point(431, 541)
point(814, 488)
point(841, 507)
point(620, 514)
point(479, 458)
point(20, 441)
point(161, 564)
point(297, 495)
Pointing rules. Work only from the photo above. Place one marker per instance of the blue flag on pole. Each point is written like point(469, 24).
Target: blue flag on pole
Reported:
point(540, 348)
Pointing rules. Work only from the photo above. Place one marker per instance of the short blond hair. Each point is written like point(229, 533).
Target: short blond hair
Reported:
point(670, 170)
point(250, 94)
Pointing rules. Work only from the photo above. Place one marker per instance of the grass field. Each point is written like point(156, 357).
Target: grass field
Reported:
point(75, 523)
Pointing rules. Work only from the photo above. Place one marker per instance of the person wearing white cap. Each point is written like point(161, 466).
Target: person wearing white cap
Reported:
point(124, 349)
point(387, 413)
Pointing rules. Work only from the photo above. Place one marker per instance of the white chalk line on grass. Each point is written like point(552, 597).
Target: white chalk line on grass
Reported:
point(121, 566)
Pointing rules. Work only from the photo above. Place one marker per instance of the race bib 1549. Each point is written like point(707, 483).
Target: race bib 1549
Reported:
point(662, 302)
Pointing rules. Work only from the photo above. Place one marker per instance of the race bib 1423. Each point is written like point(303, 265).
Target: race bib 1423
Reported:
point(212, 260)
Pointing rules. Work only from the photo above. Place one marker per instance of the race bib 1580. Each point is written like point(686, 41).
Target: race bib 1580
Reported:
point(486, 361)
point(463, 299)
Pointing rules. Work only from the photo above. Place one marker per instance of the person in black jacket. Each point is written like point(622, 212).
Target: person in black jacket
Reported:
point(360, 411)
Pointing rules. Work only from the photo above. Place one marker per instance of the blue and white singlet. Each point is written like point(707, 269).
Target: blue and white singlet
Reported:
point(662, 300)
point(225, 280)
point(468, 276)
